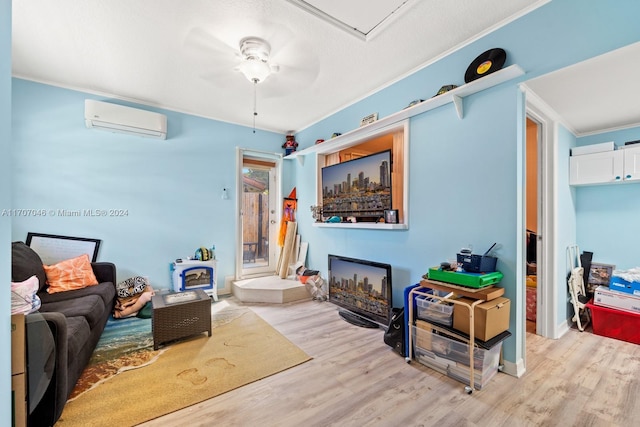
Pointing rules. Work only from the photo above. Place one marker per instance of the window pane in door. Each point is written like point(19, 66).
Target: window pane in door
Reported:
point(255, 216)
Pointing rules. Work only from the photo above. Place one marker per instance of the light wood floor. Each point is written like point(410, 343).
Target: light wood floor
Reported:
point(354, 379)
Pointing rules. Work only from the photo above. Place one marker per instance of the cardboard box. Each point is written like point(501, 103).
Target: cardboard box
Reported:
point(18, 360)
point(621, 285)
point(490, 317)
point(607, 297)
point(423, 334)
point(19, 400)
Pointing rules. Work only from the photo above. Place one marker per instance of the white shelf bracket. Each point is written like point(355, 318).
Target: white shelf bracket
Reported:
point(300, 160)
point(457, 101)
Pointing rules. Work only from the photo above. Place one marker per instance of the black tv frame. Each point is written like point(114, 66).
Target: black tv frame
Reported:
point(367, 314)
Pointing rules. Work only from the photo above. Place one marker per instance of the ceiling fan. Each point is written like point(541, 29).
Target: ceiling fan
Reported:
point(287, 67)
point(278, 63)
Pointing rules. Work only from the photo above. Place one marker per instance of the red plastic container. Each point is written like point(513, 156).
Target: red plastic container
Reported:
point(612, 323)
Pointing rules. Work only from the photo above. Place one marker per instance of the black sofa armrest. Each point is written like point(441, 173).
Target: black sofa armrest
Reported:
point(47, 412)
point(104, 271)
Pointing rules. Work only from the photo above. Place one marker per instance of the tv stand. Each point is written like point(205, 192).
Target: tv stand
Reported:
point(354, 319)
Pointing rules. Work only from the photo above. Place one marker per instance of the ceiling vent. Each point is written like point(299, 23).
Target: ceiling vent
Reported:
point(120, 119)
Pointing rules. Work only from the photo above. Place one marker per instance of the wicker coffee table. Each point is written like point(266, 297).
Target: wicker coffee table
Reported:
point(179, 315)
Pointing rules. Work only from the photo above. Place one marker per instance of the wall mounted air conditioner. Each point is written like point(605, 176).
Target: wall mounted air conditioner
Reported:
point(121, 119)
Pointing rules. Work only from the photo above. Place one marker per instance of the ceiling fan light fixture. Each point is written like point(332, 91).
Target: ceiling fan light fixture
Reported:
point(255, 70)
point(255, 52)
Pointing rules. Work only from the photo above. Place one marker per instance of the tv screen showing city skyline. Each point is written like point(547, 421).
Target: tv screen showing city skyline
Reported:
point(360, 188)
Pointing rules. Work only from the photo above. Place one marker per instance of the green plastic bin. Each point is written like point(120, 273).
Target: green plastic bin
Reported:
point(472, 280)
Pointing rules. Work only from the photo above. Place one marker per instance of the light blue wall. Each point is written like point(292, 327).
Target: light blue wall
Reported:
point(607, 218)
point(565, 229)
point(464, 174)
point(171, 189)
point(5, 202)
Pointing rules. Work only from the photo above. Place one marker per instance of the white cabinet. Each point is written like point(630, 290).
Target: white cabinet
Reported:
point(596, 168)
point(606, 167)
point(631, 164)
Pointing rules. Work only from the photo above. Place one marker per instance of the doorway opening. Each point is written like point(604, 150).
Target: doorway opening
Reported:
point(258, 191)
point(532, 215)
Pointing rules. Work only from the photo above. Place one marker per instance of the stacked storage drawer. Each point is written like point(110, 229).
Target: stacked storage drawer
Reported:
point(434, 310)
point(440, 350)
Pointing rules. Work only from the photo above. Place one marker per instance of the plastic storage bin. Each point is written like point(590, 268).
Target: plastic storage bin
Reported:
point(434, 310)
point(472, 263)
point(612, 323)
point(451, 357)
point(472, 280)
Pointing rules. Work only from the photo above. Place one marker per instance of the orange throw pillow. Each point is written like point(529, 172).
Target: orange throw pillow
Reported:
point(74, 273)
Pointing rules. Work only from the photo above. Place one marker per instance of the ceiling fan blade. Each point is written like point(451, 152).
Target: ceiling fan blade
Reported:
point(211, 59)
point(297, 74)
point(283, 84)
point(223, 77)
point(201, 41)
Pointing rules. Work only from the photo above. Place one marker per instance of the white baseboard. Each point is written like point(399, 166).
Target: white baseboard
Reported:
point(516, 369)
point(228, 280)
point(563, 328)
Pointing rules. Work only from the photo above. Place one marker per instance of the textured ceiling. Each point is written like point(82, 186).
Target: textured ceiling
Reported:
point(595, 95)
point(362, 18)
point(181, 55)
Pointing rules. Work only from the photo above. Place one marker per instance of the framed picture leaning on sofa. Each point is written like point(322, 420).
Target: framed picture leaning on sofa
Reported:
point(53, 248)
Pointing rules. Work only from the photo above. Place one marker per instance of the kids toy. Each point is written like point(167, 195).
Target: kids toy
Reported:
point(290, 145)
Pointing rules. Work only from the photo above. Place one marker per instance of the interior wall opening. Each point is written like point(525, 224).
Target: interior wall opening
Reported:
point(531, 222)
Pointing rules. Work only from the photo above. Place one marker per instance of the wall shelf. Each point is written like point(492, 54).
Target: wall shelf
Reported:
point(362, 225)
point(455, 96)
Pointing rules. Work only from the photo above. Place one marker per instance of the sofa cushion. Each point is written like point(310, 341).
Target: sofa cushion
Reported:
point(25, 262)
point(70, 274)
point(106, 291)
point(91, 307)
point(78, 331)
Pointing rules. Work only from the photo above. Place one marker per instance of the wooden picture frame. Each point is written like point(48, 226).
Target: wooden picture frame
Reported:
point(53, 248)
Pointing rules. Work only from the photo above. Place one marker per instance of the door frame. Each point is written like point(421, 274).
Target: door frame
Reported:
point(241, 153)
point(547, 292)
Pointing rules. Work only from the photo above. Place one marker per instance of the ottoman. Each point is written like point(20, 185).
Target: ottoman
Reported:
point(179, 315)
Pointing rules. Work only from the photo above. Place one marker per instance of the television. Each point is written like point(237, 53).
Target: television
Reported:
point(359, 188)
point(362, 289)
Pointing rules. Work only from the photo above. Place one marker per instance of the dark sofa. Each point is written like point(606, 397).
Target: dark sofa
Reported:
point(76, 319)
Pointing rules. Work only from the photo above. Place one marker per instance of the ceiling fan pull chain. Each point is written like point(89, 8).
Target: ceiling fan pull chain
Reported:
point(255, 108)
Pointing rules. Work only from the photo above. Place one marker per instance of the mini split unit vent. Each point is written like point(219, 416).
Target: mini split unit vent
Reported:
point(121, 119)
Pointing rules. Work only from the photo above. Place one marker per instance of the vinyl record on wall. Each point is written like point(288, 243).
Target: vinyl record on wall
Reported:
point(486, 63)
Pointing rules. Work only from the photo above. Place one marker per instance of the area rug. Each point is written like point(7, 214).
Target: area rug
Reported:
point(128, 383)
